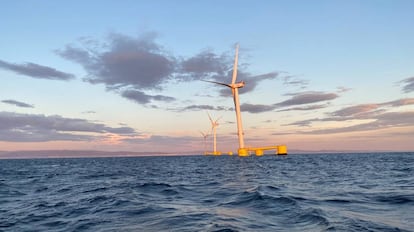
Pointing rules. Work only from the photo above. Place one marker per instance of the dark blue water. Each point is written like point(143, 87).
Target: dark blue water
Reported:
point(326, 192)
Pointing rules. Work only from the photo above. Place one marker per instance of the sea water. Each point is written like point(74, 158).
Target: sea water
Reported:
point(309, 192)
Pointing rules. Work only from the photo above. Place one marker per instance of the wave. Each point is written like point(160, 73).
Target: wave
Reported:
point(398, 199)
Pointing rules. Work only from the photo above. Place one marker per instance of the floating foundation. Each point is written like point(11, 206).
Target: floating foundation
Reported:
point(212, 153)
point(217, 153)
point(259, 151)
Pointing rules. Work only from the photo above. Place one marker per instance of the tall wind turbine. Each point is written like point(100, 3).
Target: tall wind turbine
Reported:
point(235, 91)
point(234, 86)
point(214, 125)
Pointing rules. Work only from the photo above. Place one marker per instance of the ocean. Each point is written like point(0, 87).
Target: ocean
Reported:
point(306, 192)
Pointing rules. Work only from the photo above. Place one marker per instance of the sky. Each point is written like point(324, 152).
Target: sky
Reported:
point(128, 75)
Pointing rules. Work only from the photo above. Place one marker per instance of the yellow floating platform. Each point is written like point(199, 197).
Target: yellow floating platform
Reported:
point(259, 151)
point(217, 153)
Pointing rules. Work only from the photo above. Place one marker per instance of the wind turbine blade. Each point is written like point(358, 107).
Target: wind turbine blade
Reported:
point(211, 120)
point(236, 57)
point(218, 83)
point(218, 118)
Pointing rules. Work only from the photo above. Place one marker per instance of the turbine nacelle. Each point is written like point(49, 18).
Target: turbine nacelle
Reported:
point(213, 123)
point(237, 85)
point(205, 135)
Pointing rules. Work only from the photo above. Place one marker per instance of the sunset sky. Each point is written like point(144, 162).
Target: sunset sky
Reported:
point(126, 75)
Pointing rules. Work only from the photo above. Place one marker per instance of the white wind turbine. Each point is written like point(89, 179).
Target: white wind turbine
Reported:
point(235, 91)
point(214, 125)
point(205, 135)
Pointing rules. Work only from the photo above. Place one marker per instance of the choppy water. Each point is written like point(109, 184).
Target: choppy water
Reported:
point(326, 192)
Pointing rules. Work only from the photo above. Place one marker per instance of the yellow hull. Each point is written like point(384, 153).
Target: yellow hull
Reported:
point(259, 151)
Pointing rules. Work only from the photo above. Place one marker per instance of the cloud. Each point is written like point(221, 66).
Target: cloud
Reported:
point(137, 63)
point(18, 103)
point(143, 98)
point(297, 99)
point(304, 123)
point(256, 108)
point(355, 110)
point(408, 85)
point(362, 111)
point(36, 71)
point(205, 107)
point(307, 98)
point(342, 89)
point(382, 121)
point(292, 80)
point(16, 127)
point(89, 112)
point(127, 65)
point(205, 64)
point(400, 102)
point(305, 108)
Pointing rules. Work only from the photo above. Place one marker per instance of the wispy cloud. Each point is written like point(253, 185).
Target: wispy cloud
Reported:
point(408, 85)
point(16, 127)
point(17, 103)
point(36, 71)
point(256, 108)
point(204, 107)
point(342, 89)
point(381, 121)
point(307, 98)
point(143, 98)
point(89, 112)
point(355, 110)
point(363, 111)
point(303, 123)
point(305, 108)
point(295, 81)
point(297, 99)
point(399, 102)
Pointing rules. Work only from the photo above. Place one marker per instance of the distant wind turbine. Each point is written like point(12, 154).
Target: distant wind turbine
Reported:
point(205, 135)
point(214, 125)
point(235, 91)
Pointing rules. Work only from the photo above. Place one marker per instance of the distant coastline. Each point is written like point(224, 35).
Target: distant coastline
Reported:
point(41, 154)
point(74, 154)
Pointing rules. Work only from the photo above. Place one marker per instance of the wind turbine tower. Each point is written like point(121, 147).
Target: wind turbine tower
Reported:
point(205, 135)
point(214, 125)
